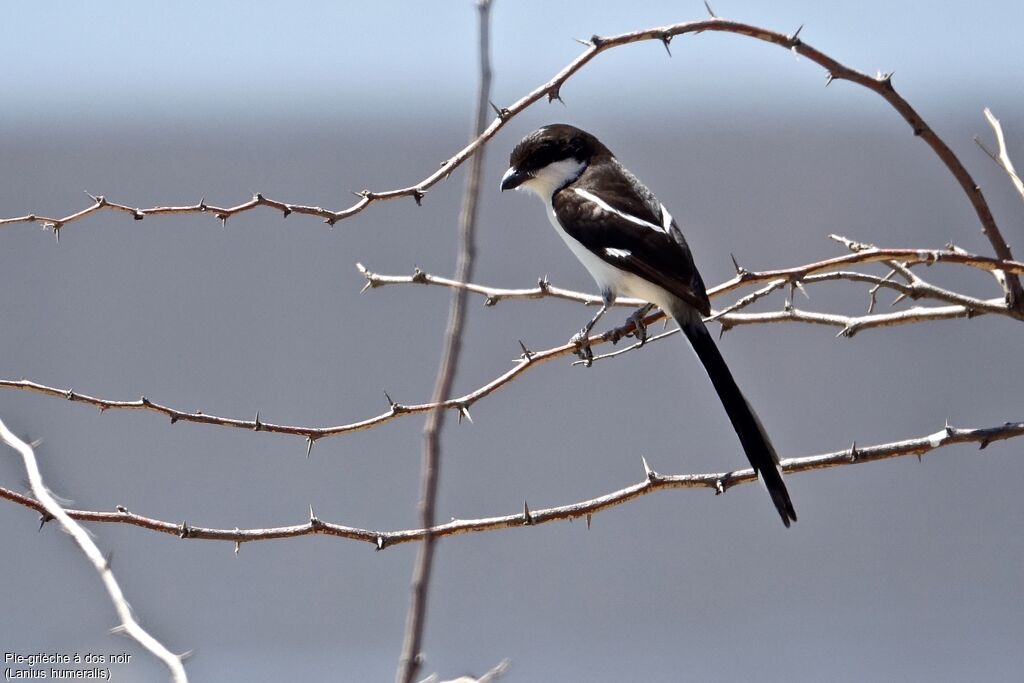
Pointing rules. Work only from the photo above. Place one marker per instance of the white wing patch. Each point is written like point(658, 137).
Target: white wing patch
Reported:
point(618, 253)
point(666, 219)
point(591, 197)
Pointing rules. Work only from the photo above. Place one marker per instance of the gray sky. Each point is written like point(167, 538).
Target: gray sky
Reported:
point(896, 570)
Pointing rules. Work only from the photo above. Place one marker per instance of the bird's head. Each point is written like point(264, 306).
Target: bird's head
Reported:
point(550, 158)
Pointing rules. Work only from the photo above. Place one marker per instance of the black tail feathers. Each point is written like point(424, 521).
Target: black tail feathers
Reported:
point(753, 437)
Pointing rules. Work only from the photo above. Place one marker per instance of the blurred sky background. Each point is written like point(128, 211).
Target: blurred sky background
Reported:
point(895, 571)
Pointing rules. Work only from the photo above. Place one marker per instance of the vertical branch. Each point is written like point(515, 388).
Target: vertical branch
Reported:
point(92, 552)
point(410, 660)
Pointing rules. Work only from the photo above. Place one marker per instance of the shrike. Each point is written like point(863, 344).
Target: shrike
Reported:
point(633, 247)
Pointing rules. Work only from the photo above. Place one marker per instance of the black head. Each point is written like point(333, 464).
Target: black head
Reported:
point(547, 145)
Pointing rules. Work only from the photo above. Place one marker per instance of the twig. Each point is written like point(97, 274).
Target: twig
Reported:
point(1003, 156)
point(652, 481)
point(51, 509)
point(494, 674)
point(411, 659)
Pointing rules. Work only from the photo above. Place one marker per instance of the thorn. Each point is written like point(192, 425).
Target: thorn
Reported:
point(174, 418)
point(418, 276)
point(740, 270)
point(314, 521)
point(223, 219)
point(108, 560)
point(183, 530)
point(122, 509)
point(584, 42)
point(555, 94)
point(589, 517)
point(666, 38)
point(309, 446)
point(710, 11)
point(919, 458)
point(56, 231)
point(527, 517)
point(138, 215)
point(202, 204)
point(43, 519)
point(527, 353)
point(803, 290)
point(380, 543)
point(795, 38)
point(238, 546)
point(829, 77)
point(418, 196)
point(256, 423)
point(648, 472)
point(491, 301)
point(719, 487)
point(502, 112)
point(464, 412)
point(853, 452)
point(543, 284)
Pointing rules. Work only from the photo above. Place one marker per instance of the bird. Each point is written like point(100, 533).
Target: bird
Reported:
point(632, 246)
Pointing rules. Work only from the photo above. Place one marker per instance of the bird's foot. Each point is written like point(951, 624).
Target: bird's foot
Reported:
point(581, 340)
point(639, 327)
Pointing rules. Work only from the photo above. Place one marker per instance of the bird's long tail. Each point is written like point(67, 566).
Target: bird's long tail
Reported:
point(753, 437)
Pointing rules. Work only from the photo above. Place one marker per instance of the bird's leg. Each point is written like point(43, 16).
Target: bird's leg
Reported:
point(582, 338)
point(637, 318)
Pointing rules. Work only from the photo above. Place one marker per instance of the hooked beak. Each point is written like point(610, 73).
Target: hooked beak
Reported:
point(513, 178)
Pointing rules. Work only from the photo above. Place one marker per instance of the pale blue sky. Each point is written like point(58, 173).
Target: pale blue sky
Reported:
point(187, 59)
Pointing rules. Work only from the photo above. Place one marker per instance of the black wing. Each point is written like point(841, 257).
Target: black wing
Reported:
point(621, 228)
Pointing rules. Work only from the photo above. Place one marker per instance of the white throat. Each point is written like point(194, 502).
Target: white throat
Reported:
point(553, 176)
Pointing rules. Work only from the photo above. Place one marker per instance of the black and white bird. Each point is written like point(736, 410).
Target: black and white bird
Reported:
point(633, 247)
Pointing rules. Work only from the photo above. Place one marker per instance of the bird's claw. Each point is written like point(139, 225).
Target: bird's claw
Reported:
point(581, 340)
point(639, 327)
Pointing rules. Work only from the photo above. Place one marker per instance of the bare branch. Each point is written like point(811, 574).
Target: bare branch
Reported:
point(852, 324)
point(411, 658)
point(494, 674)
point(652, 481)
point(862, 254)
point(1003, 156)
point(48, 506)
point(819, 271)
point(881, 84)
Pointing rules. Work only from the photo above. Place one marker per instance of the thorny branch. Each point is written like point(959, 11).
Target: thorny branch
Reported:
point(49, 508)
point(912, 286)
point(880, 84)
point(652, 481)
